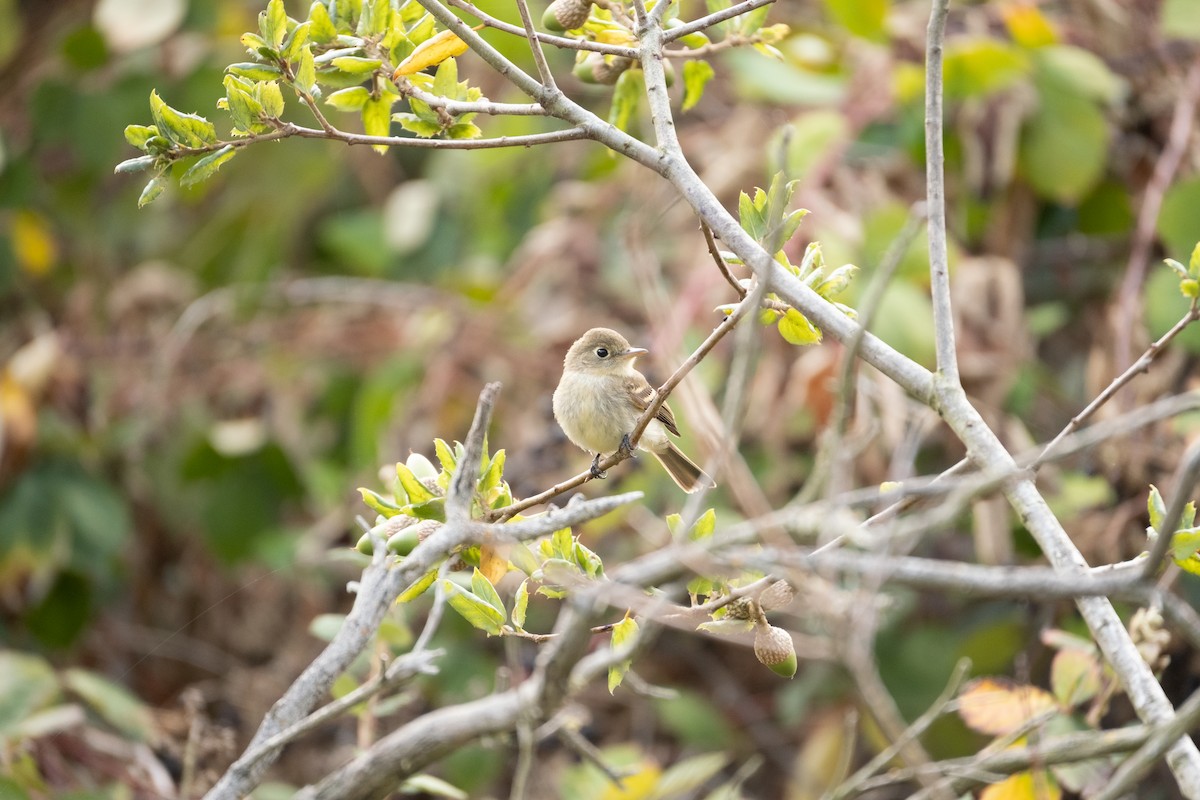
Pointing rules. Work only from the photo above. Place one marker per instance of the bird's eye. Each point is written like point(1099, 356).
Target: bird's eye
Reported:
point(602, 352)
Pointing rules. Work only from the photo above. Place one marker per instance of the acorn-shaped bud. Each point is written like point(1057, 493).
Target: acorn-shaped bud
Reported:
point(774, 649)
point(566, 15)
point(601, 69)
point(776, 596)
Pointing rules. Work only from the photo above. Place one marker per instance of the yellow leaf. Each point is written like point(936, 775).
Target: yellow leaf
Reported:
point(638, 786)
point(33, 244)
point(1026, 24)
point(997, 706)
point(618, 36)
point(430, 53)
point(493, 561)
point(1023, 786)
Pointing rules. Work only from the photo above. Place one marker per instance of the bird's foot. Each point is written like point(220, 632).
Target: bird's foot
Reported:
point(626, 448)
point(596, 471)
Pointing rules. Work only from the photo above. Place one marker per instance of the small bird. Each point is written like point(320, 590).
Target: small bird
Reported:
point(600, 398)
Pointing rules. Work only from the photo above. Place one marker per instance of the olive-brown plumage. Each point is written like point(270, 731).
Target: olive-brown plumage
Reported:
point(601, 396)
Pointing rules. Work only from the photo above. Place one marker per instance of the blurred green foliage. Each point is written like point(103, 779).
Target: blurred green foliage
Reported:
point(125, 481)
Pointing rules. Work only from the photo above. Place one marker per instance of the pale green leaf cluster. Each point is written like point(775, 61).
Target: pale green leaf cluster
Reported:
point(766, 217)
point(1189, 276)
point(1185, 540)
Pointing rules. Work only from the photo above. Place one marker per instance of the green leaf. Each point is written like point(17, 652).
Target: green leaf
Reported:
point(351, 99)
point(628, 90)
point(474, 609)
point(445, 80)
point(982, 66)
point(306, 71)
point(685, 778)
point(434, 509)
point(1075, 677)
point(837, 281)
point(207, 167)
point(704, 527)
point(624, 634)
point(563, 544)
point(356, 65)
point(114, 703)
point(673, 523)
point(152, 191)
point(751, 217)
point(27, 684)
point(414, 124)
point(323, 30)
point(1064, 145)
point(416, 491)
point(696, 74)
point(255, 71)
point(865, 18)
point(377, 119)
point(138, 135)
point(139, 164)
point(376, 14)
point(464, 130)
point(587, 561)
point(1080, 71)
point(749, 23)
point(187, 130)
point(484, 590)
point(1156, 508)
point(1185, 544)
point(445, 455)
point(1194, 262)
point(520, 605)
point(795, 328)
point(419, 587)
point(296, 42)
point(523, 558)
point(246, 110)
point(272, 24)
point(270, 97)
point(379, 503)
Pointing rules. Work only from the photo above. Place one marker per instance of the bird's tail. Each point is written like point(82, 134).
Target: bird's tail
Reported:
point(686, 475)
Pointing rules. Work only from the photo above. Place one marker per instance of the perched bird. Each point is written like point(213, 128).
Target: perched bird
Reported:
point(600, 398)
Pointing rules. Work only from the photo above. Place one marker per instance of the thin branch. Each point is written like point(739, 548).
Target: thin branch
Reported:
point(539, 57)
point(526, 140)
point(1187, 717)
point(462, 488)
point(494, 58)
point(715, 252)
point(1186, 475)
point(1069, 748)
point(1136, 368)
point(650, 53)
point(868, 306)
point(935, 188)
point(563, 42)
point(913, 732)
point(1152, 199)
point(735, 10)
point(457, 107)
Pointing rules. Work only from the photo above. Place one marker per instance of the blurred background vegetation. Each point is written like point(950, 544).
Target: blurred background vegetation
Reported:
point(191, 392)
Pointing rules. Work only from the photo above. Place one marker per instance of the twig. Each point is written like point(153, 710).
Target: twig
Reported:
point(1186, 475)
point(539, 57)
point(735, 10)
point(1137, 367)
point(1066, 749)
point(914, 731)
point(650, 53)
point(483, 106)
point(1187, 717)
point(868, 306)
point(715, 252)
point(563, 42)
point(935, 188)
point(1144, 232)
point(462, 488)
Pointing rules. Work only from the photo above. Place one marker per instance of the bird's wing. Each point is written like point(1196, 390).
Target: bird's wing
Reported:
point(643, 394)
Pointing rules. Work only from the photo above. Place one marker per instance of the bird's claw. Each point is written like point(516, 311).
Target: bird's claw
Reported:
point(626, 448)
point(595, 470)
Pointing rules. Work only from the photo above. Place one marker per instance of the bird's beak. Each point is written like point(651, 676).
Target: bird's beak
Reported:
point(634, 351)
